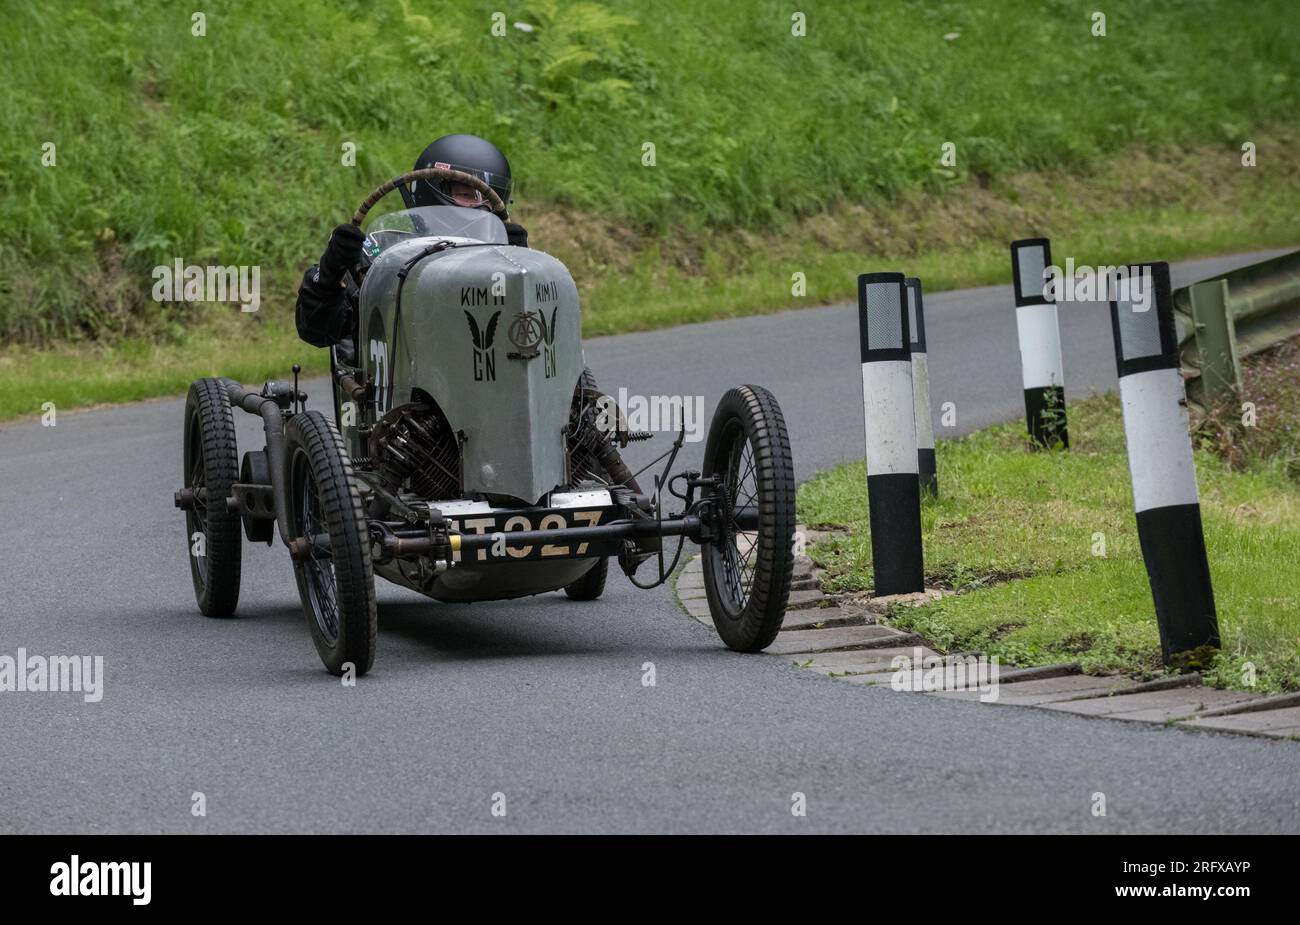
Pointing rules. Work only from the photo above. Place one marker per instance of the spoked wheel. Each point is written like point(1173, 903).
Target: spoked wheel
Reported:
point(747, 568)
point(211, 462)
point(335, 580)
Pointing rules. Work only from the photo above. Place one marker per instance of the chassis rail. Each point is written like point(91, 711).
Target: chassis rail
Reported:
point(397, 540)
point(403, 544)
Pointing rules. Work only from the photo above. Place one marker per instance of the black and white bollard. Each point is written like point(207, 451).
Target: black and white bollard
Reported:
point(925, 462)
point(1160, 458)
point(1041, 369)
point(893, 488)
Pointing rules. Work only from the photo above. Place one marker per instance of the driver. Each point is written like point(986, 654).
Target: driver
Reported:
point(324, 312)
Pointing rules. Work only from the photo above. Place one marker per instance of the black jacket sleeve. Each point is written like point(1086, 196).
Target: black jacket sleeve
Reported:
point(322, 313)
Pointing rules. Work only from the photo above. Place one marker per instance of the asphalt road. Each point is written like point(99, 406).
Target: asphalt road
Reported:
point(541, 700)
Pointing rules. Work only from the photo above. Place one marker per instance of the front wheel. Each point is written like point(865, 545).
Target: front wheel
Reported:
point(747, 567)
point(335, 579)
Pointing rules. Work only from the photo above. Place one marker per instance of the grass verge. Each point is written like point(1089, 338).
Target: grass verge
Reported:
point(1183, 204)
point(137, 133)
point(685, 160)
point(130, 369)
point(1043, 549)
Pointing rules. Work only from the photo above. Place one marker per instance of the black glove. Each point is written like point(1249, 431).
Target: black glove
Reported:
point(342, 253)
point(516, 235)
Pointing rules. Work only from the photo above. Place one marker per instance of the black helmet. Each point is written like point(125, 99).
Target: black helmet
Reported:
point(469, 153)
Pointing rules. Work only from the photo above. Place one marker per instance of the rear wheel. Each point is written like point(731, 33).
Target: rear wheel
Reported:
point(747, 568)
point(591, 585)
point(211, 463)
point(333, 570)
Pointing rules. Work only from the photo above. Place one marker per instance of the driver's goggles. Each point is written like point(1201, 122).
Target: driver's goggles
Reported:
point(462, 194)
point(465, 195)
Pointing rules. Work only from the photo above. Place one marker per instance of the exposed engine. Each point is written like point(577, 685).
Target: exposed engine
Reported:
point(584, 437)
point(413, 447)
point(592, 456)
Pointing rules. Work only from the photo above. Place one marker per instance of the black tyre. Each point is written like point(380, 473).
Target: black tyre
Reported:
point(335, 579)
point(211, 462)
point(591, 585)
point(747, 569)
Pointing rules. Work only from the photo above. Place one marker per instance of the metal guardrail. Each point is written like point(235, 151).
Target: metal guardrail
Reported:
point(1226, 318)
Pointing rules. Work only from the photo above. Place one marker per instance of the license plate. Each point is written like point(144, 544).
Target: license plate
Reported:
point(502, 523)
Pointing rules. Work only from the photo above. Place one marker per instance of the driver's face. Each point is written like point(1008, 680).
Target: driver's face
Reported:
point(464, 195)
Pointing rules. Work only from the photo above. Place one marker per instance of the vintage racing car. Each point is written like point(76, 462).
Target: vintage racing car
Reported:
point(470, 455)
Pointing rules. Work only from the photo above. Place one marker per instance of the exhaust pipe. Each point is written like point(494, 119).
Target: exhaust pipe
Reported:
point(273, 424)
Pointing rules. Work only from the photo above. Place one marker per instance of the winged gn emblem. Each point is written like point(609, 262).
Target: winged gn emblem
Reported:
point(483, 340)
point(548, 330)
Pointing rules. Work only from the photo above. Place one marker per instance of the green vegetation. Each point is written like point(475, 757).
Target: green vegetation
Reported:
point(1019, 533)
point(130, 369)
point(1270, 434)
point(774, 154)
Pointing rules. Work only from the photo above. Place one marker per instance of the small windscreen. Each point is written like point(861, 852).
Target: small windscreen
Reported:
point(437, 221)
